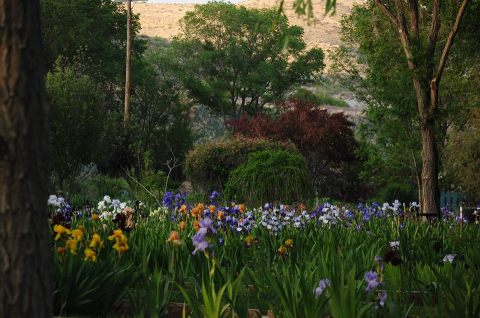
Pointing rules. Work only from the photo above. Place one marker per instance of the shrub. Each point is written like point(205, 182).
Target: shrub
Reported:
point(319, 98)
point(325, 140)
point(209, 164)
point(76, 122)
point(270, 175)
point(95, 187)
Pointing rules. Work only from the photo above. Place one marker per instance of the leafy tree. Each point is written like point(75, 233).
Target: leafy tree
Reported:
point(426, 41)
point(160, 118)
point(90, 32)
point(377, 71)
point(233, 59)
point(325, 140)
point(462, 156)
point(76, 122)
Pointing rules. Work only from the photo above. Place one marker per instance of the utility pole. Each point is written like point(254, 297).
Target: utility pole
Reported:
point(126, 114)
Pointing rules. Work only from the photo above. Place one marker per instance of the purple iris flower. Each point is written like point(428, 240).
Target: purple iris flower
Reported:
point(199, 240)
point(371, 278)
point(168, 199)
point(207, 224)
point(322, 285)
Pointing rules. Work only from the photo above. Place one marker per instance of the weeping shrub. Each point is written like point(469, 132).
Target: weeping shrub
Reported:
point(209, 165)
point(270, 175)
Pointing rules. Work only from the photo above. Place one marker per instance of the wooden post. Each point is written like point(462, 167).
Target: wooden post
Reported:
point(126, 114)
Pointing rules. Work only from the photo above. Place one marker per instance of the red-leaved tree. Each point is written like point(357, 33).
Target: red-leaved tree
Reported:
point(325, 140)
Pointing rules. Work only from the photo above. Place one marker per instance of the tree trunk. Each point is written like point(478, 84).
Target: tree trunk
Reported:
point(128, 67)
point(25, 269)
point(430, 192)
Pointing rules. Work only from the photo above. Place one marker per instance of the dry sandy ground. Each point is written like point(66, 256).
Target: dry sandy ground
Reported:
point(324, 31)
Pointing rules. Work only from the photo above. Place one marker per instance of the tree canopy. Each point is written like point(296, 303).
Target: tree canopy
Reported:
point(233, 59)
point(373, 64)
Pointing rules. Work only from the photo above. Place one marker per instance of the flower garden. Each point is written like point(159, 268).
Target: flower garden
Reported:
point(222, 259)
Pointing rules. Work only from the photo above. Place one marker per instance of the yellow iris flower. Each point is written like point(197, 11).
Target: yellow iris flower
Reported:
point(60, 230)
point(117, 235)
point(96, 241)
point(77, 234)
point(121, 246)
point(72, 244)
point(90, 255)
point(289, 243)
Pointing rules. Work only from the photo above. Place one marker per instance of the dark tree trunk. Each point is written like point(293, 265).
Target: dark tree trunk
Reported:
point(430, 203)
point(25, 271)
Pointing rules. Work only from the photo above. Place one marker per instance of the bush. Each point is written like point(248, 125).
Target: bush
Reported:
point(76, 122)
point(270, 175)
point(319, 98)
point(325, 140)
point(95, 187)
point(209, 164)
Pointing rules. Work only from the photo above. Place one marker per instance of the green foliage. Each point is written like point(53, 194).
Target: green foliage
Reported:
point(374, 66)
point(151, 298)
point(86, 288)
point(76, 121)
point(319, 99)
point(159, 118)
point(403, 192)
point(88, 32)
point(295, 288)
point(94, 187)
point(148, 184)
point(462, 154)
point(270, 175)
point(233, 59)
point(196, 197)
point(209, 165)
point(155, 272)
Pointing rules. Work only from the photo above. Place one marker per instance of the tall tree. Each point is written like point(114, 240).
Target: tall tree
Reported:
point(372, 64)
point(419, 36)
point(25, 288)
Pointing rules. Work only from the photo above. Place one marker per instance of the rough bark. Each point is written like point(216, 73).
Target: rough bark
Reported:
point(25, 271)
point(430, 203)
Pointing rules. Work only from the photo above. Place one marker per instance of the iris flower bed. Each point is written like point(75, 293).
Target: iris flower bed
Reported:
point(220, 260)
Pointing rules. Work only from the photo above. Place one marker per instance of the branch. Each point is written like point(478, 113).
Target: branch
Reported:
point(413, 12)
point(387, 12)
point(401, 18)
point(171, 167)
point(433, 36)
point(448, 45)
point(404, 37)
point(141, 185)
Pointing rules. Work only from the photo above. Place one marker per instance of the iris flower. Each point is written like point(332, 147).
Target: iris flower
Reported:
point(96, 241)
point(60, 230)
point(371, 278)
point(72, 245)
point(322, 285)
point(90, 255)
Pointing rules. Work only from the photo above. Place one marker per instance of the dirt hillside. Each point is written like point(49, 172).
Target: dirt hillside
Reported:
point(162, 19)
